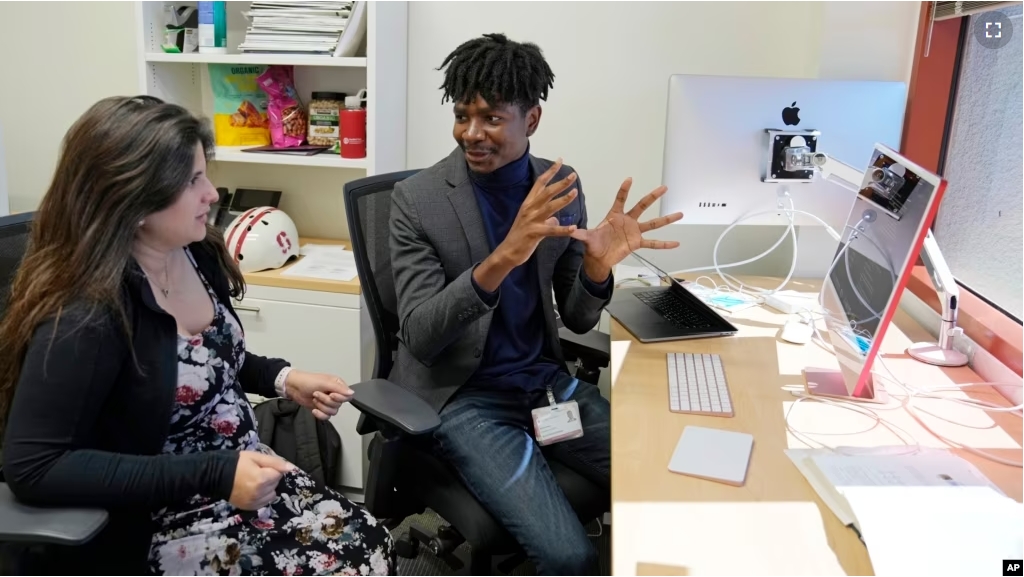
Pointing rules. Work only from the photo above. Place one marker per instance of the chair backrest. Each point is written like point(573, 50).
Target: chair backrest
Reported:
point(368, 207)
point(14, 236)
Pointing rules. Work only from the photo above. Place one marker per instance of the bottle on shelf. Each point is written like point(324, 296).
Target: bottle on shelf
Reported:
point(353, 127)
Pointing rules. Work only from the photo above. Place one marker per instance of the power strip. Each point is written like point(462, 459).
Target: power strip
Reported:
point(792, 302)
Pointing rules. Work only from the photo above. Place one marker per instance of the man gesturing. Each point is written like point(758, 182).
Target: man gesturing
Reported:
point(479, 243)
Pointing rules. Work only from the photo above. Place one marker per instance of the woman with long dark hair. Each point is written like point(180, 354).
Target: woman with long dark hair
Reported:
point(124, 372)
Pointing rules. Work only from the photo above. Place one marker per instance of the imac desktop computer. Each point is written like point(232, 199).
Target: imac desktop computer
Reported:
point(715, 164)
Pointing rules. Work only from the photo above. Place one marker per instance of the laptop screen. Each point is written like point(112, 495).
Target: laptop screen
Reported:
point(663, 276)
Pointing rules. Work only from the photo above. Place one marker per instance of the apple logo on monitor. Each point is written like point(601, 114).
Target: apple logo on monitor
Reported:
point(791, 115)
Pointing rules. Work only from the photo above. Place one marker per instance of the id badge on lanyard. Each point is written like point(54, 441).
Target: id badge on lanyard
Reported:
point(557, 421)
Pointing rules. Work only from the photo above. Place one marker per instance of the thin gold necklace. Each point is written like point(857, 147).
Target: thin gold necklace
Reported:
point(166, 291)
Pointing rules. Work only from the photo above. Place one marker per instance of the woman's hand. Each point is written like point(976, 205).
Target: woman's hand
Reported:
point(320, 393)
point(256, 479)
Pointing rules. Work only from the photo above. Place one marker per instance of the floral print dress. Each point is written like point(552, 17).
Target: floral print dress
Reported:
point(308, 530)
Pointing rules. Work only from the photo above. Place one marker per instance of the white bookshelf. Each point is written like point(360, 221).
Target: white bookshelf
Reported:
point(183, 79)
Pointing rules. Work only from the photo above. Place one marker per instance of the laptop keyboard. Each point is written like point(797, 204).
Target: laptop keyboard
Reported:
point(673, 309)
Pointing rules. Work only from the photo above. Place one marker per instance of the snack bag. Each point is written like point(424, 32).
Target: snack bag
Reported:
point(239, 107)
point(288, 122)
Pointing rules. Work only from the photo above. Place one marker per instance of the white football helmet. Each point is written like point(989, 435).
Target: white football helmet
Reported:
point(262, 238)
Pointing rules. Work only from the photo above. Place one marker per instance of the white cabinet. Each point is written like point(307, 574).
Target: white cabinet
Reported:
point(314, 331)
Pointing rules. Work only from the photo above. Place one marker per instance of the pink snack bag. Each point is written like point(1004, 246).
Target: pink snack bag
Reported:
point(288, 124)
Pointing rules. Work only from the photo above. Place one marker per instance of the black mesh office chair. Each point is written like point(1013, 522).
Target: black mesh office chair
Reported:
point(25, 532)
point(404, 479)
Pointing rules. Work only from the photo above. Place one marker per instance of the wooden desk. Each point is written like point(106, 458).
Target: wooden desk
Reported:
point(775, 524)
point(275, 278)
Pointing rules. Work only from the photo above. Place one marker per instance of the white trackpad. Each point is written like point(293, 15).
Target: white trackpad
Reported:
point(712, 454)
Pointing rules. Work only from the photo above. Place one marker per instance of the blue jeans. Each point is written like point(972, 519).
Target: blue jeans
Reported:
point(487, 436)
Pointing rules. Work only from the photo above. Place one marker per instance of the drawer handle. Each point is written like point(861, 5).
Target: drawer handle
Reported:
point(241, 307)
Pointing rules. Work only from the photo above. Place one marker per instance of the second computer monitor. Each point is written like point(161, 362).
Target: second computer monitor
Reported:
point(715, 143)
point(882, 239)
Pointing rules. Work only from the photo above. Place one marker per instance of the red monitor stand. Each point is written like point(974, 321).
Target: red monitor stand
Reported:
point(829, 383)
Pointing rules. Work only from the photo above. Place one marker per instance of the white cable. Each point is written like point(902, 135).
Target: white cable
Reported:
point(913, 392)
point(832, 232)
point(973, 403)
point(893, 428)
point(791, 230)
point(751, 259)
point(737, 285)
point(907, 403)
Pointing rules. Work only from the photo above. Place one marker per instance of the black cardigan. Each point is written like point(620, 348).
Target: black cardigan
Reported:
point(87, 427)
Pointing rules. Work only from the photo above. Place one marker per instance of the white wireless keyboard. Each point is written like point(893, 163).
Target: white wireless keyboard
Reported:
point(697, 386)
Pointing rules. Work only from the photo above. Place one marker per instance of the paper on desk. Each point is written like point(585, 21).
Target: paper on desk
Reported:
point(918, 469)
point(332, 249)
point(833, 473)
point(325, 262)
point(802, 459)
point(723, 538)
point(938, 530)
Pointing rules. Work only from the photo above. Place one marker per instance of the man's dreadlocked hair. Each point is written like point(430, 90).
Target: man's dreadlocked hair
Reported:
point(498, 69)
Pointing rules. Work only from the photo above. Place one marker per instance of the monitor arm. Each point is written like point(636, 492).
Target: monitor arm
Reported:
point(949, 298)
point(832, 170)
point(844, 175)
point(837, 172)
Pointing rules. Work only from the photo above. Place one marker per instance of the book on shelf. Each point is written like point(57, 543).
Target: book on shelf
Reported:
point(314, 28)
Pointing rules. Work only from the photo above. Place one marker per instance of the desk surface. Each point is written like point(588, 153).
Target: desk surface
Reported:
point(275, 278)
point(703, 527)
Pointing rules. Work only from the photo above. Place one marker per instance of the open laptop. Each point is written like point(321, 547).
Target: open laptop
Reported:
point(666, 313)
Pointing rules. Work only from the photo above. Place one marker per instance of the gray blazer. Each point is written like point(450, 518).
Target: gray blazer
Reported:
point(437, 237)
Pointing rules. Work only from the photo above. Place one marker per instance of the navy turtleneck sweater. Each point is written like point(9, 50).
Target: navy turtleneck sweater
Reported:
point(512, 354)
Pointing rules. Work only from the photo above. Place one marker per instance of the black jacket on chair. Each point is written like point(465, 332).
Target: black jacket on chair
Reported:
point(87, 425)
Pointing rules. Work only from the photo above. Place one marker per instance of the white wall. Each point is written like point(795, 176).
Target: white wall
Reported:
point(605, 115)
point(56, 60)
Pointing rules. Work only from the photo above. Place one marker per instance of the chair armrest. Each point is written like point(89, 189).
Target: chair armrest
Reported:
point(390, 403)
point(20, 523)
point(593, 347)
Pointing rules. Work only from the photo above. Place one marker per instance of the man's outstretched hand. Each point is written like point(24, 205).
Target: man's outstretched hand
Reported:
point(620, 233)
point(535, 221)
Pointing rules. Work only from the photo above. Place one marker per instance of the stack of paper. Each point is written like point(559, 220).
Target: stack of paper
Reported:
point(295, 27)
point(328, 262)
point(832, 473)
point(912, 510)
point(938, 531)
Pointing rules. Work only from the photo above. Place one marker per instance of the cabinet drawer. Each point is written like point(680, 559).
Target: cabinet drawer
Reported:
point(315, 338)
